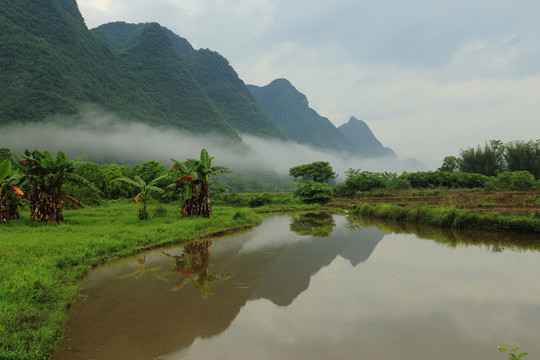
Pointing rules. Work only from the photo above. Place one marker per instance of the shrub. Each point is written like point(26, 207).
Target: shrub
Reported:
point(260, 200)
point(312, 192)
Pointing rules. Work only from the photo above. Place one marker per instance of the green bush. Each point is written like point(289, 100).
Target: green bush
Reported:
point(260, 200)
point(312, 192)
point(516, 180)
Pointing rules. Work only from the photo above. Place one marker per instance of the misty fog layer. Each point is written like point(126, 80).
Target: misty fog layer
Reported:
point(105, 138)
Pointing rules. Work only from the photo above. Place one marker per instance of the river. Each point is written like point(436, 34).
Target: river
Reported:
point(315, 286)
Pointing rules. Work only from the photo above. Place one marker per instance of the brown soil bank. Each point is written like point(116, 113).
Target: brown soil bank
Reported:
point(473, 200)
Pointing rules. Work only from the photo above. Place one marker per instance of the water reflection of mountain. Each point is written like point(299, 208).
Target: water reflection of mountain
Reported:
point(291, 273)
point(142, 317)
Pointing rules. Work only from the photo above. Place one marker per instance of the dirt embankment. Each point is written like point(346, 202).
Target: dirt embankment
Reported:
point(473, 200)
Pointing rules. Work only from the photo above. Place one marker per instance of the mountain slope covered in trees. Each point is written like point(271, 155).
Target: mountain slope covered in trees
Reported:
point(290, 110)
point(123, 35)
point(214, 73)
point(52, 64)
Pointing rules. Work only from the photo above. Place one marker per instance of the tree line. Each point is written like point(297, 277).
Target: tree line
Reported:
point(496, 157)
point(47, 182)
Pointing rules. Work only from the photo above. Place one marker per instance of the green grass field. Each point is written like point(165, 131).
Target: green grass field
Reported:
point(40, 263)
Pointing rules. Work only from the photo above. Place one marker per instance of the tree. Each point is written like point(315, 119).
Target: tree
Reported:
point(144, 189)
point(319, 171)
point(450, 164)
point(8, 207)
point(195, 183)
point(487, 161)
point(47, 175)
point(312, 192)
point(523, 156)
point(188, 184)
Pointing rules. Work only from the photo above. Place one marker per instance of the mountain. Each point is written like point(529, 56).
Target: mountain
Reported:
point(290, 110)
point(213, 72)
point(230, 94)
point(122, 35)
point(359, 133)
point(52, 64)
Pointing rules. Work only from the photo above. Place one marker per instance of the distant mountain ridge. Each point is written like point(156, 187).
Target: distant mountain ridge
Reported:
point(52, 64)
point(290, 110)
point(359, 133)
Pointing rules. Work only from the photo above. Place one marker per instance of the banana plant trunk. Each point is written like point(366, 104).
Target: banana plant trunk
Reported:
point(190, 207)
point(204, 201)
point(8, 208)
point(46, 205)
point(143, 214)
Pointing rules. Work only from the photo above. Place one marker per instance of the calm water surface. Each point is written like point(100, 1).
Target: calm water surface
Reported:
point(313, 287)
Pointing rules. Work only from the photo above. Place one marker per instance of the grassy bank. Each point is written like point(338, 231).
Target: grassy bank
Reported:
point(40, 263)
point(450, 217)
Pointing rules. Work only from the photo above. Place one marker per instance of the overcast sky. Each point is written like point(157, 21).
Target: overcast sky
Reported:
point(429, 77)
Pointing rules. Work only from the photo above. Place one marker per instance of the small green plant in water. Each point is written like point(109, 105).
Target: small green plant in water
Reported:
point(512, 353)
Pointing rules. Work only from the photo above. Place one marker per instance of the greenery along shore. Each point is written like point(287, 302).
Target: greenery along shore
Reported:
point(45, 248)
point(40, 262)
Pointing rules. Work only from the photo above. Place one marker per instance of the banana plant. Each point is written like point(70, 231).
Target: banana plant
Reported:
point(47, 175)
point(195, 182)
point(144, 190)
point(189, 180)
point(204, 171)
point(8, 207)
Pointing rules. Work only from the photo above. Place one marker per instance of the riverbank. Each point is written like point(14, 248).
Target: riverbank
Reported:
point(449, 217)
point(40, 263)
point(483, 210)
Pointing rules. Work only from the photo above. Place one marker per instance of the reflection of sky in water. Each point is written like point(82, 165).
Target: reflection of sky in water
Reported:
point(413, 299)
point(351, 295)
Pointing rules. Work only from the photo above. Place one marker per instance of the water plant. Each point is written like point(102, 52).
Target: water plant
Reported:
point(512, 354)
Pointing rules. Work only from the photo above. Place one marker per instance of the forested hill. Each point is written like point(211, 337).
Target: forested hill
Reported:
point(290, 110)
point(359, 133)
point(213, 72)
point(122, 35)
point(52, 64)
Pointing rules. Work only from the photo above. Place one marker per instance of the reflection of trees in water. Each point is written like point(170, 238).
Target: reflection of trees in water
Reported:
point(145, 269)
point(494, 241)
point(194, 266)
point(318, 224)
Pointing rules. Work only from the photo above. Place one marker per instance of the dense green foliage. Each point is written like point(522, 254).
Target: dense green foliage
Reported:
point(39, 263)
point(312, 192)
point(52, 64)
point(213, 72)
point(257, 200)
point(318, 171)
point(123, 36)
point(230, 95)
point(495, 158)
point(358, 181)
